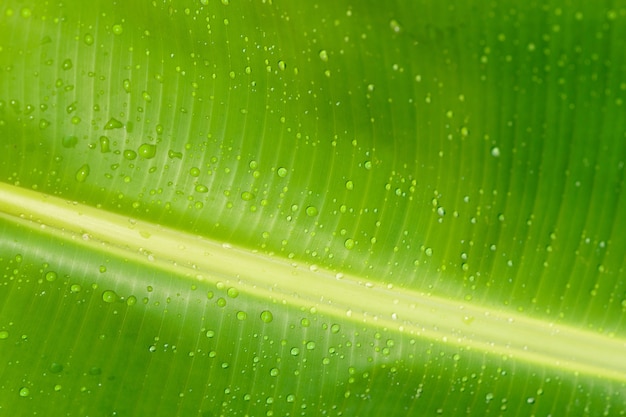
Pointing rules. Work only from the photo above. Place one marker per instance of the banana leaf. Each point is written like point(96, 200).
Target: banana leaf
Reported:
point(279, 208)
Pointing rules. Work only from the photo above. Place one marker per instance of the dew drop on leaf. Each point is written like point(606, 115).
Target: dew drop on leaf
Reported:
point(267, 316)
point(147, 150)
point(323, 55)
point(24, 392)
point(105, 144)
point(130, 154)
point(281, 172)
point(113, 123)
point(51, 276)
point(242, 315)
point(232, 292)
point(82, 173)
point(4, 334)
point(56, 367)
point(109, 296)
point(247, 196)
point(349, 244)
point(67, 64)
point(311, 211)
point(69, 141)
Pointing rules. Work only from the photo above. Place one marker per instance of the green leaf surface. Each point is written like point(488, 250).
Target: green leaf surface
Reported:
point(280, 208)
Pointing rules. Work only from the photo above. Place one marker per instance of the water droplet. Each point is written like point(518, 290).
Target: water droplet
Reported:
point(310, 345)
point(395, 26)
point(368, 165)
point(24, 392)
point(117, 29)
point(130, 154)
point(88, 39)
point(282, 65)
point(290, 398)
point(232, 292)
point(131, 301)
point(51, 276)
point(428, 251)
point(4, 334)
point(113, 123)
point(294, 351)
point(105, 144)
point(82, 173)
point(67, 64)
point(242, 315)
point(146, 96)
point(495, 152)
point(225, 2)
point(335, 328)
point(267, 316)
point(201, 188)
point(75, 288)
point(349, 185)
point(55, 367)
point(323, 55)
point(69, 141)
point(26, 12)
point(126, 85)
point(109, 296)
point(311, 211)
point(147, 150)
point(349, 244)
point(305, 322)
point(94, 371)
point(247, 196)
point(274, 372)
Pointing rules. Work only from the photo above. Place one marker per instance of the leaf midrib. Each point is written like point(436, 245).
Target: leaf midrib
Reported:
point(472, 326)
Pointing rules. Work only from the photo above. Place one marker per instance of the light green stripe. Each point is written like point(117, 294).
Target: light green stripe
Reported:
point(446, 321)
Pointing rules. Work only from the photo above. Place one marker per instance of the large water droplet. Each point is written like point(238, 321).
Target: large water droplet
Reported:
point(311, 211)
point(67, 64)
point(113, 123)
point(109, 296)
point(267, 316)
point(323, 55)
point(105, 144)
point(247, 196)
point(147, 150)
point(69, 141)
point(82, 173)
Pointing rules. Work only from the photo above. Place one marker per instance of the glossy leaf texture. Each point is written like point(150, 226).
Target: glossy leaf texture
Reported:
point(271, 207)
